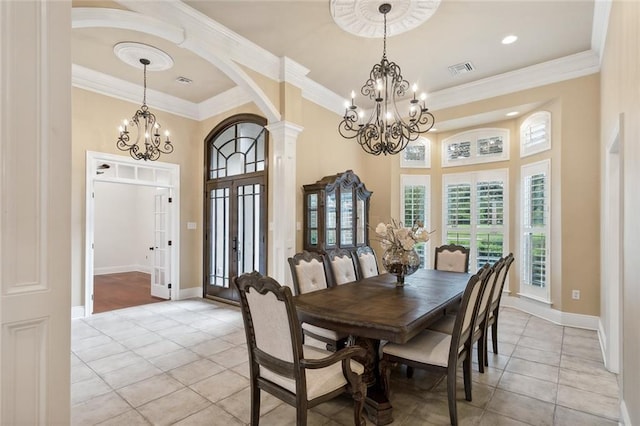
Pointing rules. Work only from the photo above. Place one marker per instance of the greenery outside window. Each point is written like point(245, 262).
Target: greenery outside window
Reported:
point(475, 214)
point(414, 204)
point(535, 231)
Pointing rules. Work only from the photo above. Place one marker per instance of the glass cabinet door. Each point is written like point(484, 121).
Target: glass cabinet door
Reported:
point(331, 219)
point(312, 218)
point(360, 222)
point(346, 217)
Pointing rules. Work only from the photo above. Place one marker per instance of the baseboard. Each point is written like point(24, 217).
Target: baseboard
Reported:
point(77, 312)
point(624, 414)
point(123, 268)
point(602, 338)
point(189, 293)
point(543, 311)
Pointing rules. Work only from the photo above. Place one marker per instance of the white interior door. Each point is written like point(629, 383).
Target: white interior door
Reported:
point(160, 271)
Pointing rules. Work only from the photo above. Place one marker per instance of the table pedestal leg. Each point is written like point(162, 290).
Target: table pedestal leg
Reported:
point(377, 406)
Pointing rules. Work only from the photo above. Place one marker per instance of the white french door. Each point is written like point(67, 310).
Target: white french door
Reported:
point(161, 269)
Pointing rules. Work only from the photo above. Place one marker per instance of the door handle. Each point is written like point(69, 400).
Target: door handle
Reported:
point(234, 244)
point(151, 248)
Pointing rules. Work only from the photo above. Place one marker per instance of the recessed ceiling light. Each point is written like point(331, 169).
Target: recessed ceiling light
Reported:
point(509, 39)
point(184, 80)
point(512, 113)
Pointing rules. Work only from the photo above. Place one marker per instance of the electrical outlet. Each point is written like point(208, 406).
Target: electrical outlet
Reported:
point(575, 294)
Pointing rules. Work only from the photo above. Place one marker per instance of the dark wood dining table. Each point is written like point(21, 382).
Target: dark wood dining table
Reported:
point(373, 309)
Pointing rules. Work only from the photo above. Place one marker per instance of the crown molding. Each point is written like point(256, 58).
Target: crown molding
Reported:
point(95, 81)
point(232, 49)
point(223, 102)
point(90, 17)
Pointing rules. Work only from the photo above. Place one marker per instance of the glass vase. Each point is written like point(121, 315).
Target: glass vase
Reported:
point(400, 262)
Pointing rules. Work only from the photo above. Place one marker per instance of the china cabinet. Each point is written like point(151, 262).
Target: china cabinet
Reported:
point(336, 213)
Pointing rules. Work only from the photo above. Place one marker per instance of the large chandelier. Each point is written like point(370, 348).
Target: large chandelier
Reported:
point(385, 131)
point(146, 127)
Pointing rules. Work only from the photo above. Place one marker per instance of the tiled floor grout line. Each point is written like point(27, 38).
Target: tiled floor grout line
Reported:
point(487, 412)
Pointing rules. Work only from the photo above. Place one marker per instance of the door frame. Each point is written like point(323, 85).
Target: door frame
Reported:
point(152, 171)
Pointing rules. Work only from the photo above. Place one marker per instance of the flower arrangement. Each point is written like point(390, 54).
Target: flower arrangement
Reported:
point(395, 235)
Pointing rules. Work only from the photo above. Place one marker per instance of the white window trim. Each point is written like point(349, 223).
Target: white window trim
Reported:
point(417, 164)
point(533, 119)
point(473, 136)
point(528, 290)
point(419, 180)
point(472, 178)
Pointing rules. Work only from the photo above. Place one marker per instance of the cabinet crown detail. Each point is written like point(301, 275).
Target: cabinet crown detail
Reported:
point(336, 213)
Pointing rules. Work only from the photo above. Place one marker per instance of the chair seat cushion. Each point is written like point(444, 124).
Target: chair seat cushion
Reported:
point(444, 325)
point(428, 347)
point(323, 332)
point(320, 381)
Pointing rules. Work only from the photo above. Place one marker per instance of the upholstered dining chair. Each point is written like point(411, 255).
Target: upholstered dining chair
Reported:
point(341, 265)
point(300, 375)
point(442, 352)
point(367, 266)
point(310, 273)
point(452, 257)
point(447, 323)
point(494, 307)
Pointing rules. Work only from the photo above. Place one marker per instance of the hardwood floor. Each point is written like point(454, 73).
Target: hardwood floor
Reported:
point(121, 290)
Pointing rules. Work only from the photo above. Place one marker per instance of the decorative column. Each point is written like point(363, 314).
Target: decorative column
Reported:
point(282, 199)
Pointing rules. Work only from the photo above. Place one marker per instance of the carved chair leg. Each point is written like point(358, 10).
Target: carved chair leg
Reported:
point(255, 404)
point(409, 372)
point(481, 354)
point(301, 413)
point(466, 375)
point(451, 394)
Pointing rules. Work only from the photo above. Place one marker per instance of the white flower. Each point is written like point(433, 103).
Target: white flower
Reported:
point(394, 234)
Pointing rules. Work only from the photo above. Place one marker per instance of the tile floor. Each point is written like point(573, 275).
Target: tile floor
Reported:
point(185, 363)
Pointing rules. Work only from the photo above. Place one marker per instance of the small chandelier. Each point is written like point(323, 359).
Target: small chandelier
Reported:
point(147, 127)
point(385, 131)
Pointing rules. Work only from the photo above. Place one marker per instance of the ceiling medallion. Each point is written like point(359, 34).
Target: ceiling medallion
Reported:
point(362, 17)
point(131, 52)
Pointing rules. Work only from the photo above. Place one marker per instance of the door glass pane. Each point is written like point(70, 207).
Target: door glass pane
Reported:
point(360, 222)
point(219, 220)
point(248, 238)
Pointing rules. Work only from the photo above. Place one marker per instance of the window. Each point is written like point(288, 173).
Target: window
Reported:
point(535, 134)
point(475, 146)
point(417, 154)
point(475, 214)
point(415, 193)
point(535, 230)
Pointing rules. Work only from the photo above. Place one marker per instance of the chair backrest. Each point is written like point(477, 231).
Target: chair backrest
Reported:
point(500, 280)
point(274, 336)
point(452, 257)
point(467, 313)
point(341, 265)
point(308, 271)
point(366, 261)
point(487, 294)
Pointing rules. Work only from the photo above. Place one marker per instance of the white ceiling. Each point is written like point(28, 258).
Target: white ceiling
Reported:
point(561, 35)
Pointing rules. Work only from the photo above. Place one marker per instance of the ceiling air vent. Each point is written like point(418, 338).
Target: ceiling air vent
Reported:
point(462, 68)
point(184, 80)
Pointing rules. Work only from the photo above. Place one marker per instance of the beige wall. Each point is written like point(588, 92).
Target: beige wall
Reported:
point(321, 151)
point(95, 120)
point(621, 95)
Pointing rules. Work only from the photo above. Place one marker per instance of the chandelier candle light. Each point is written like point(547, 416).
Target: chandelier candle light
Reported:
point(385, 131)
point(147, 126)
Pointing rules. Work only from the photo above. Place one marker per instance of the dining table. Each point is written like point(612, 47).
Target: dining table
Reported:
point(374, 310)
